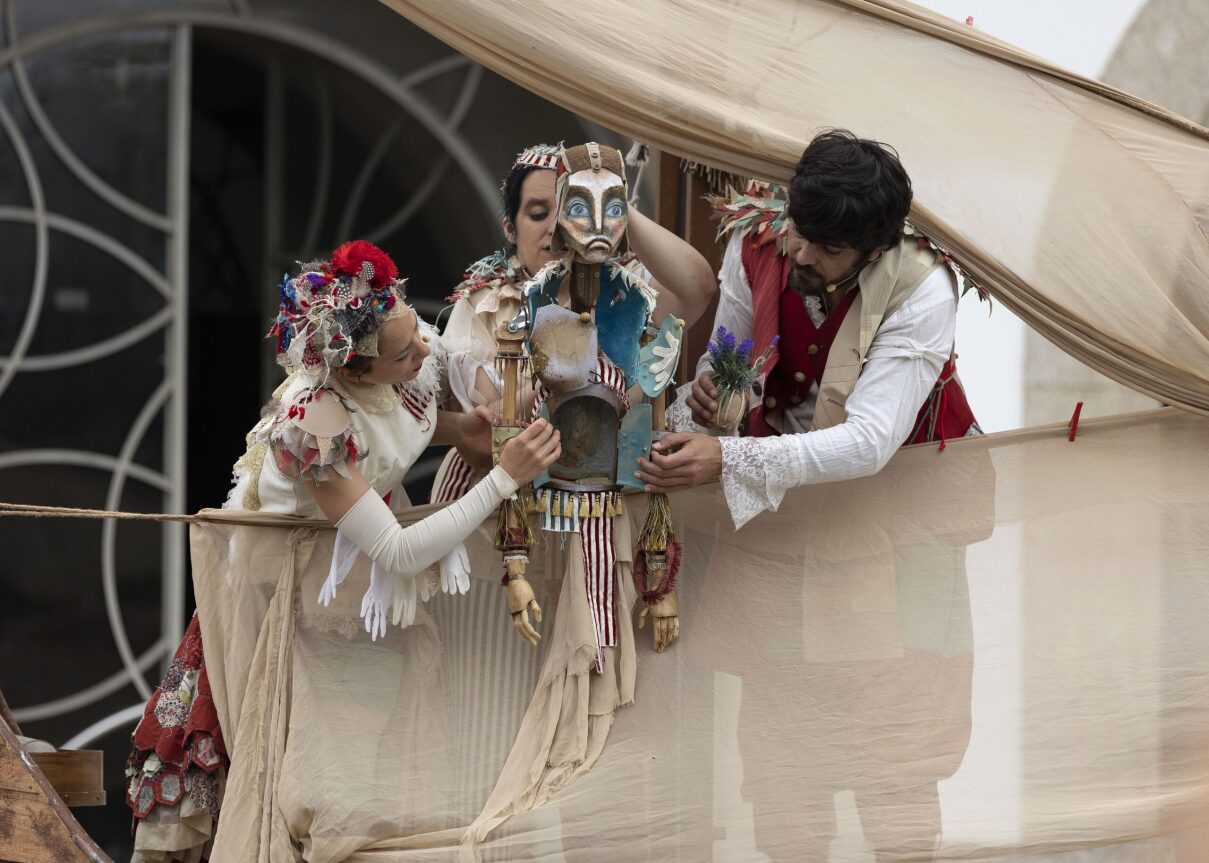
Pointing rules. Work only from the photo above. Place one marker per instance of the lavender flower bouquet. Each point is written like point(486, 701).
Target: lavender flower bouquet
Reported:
point(733, 373)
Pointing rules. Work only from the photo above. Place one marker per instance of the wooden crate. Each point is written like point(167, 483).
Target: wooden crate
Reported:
point(35, 824)
point(76, 775)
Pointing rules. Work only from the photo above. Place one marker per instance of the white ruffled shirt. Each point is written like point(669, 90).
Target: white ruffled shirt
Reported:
point(902, 366)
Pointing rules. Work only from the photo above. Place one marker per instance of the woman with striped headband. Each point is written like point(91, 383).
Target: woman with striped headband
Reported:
point(491, 295)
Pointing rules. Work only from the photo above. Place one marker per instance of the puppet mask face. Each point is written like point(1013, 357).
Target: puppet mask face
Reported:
point(592, 214)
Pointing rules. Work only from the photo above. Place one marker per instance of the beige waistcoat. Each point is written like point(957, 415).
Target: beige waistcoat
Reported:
point(884, 286)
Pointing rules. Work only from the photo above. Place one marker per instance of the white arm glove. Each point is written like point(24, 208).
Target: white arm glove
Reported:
point(371, 526)
point(399, 553)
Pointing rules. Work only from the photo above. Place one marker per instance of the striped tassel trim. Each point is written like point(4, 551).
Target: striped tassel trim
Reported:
point(565, 511)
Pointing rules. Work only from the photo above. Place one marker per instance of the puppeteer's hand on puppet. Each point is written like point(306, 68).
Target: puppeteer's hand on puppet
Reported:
point(474, 444)
point(679, 461)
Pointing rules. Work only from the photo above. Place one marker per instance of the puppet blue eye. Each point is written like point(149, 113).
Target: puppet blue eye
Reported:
point(577, 208)
point(615, 210)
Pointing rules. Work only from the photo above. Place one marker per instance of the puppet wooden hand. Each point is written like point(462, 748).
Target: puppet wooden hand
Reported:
point(665, 620)
point(520, 602)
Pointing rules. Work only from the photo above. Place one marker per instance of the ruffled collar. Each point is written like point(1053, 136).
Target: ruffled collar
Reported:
point(427, 383)
point(372, 398)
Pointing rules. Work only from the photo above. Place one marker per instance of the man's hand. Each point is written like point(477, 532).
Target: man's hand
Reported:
point(680, 461)
point(474, 442)
point(703, 400)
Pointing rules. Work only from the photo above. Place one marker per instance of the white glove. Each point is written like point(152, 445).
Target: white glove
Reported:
point(373, 605)
point(343, 555)
point(403, 606)
point(371, 526)
point(455, 571)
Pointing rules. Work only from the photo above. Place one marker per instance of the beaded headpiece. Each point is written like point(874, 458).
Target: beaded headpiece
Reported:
point(332, 310)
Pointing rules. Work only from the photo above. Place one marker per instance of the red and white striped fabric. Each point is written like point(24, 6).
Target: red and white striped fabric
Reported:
point(611, 376)
point(596, 538)
point(453, 479)
point(596, 533)
point(606, 374)
point(416, 403)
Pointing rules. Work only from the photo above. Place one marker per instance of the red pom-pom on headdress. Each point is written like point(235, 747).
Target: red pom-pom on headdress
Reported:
point(349, 259)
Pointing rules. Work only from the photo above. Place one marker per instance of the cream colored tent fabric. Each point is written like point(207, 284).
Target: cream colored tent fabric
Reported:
point(1083, 210)
point(1019, 670)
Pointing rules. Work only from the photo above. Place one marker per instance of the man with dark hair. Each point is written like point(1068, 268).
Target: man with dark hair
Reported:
point(857, 321)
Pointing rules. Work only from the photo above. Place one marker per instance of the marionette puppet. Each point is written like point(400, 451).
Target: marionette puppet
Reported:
point(589, 362)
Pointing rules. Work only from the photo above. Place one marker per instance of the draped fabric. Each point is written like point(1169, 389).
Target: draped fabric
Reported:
point(994, 652)
point(1080, 208)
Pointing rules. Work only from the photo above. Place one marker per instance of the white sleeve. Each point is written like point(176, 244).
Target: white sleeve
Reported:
point(469, 347)
point(901, 368)
point(734, 299)
point(464, 368)
point(371, 526)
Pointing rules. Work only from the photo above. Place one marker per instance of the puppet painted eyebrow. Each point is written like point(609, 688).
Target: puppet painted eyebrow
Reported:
point(593, 192)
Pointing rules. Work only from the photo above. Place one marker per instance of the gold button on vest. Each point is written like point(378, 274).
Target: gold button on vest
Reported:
point(770, 402)
point(795, 399)
point(812, 350)
point(799, 376)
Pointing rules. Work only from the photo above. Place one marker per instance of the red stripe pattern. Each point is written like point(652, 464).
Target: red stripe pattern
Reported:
point(596, 533)
point(606, 374)
point(416, 403)
point(596, 538)
point(455, 479)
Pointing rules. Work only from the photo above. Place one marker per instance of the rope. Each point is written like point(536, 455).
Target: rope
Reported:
point(34, 511)
point(413, 514)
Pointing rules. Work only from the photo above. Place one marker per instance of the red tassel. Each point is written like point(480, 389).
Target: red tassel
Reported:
point(940, 418)
point(1074, 421)
point(671, 569)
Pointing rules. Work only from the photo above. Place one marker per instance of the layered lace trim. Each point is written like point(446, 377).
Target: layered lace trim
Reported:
point(372, 398)
point(679, 417)
point(756, 473)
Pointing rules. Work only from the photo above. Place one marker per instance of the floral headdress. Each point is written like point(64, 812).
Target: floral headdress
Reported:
point(332, 310)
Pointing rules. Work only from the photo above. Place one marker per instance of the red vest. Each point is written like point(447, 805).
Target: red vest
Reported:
point(793, 366)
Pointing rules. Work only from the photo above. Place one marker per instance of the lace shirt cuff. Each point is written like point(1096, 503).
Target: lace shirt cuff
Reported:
point(679, 417)
point(756, 473)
